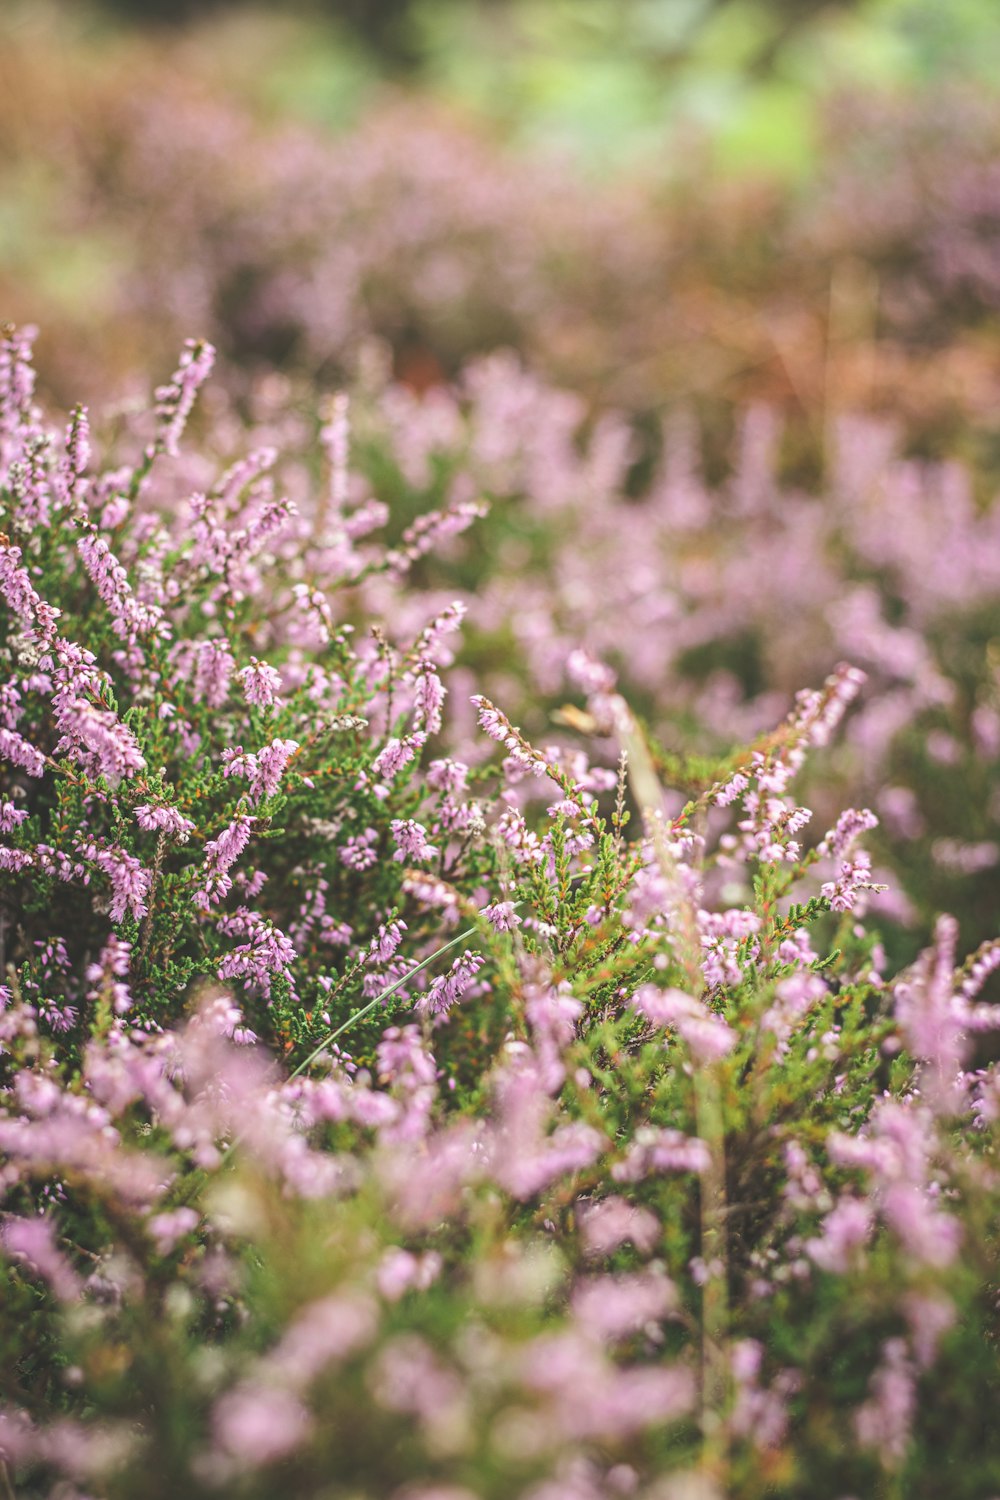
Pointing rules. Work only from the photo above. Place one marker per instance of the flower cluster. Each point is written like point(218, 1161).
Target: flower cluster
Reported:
point(587, 1142)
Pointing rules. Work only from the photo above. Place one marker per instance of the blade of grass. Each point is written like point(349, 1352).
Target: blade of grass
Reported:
point(709, 1117)
point(379, 998)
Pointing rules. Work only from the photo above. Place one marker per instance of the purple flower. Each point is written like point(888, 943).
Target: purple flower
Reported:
point(164, 820)
point(447, 989)
point(613, 1307)
point(661, 1150)
point(731, 789)
point(175, 399)
point(385, 942)
point(850, 826)
point(412, 841)
point(261, 684)
point(501, 916)
point(264, 769)
point(214, 666)
point(20, 752)
point(842, 1234)
point(129, 881)
point(428, 700)
point(266, 953)
point(220, 855)
point(131, 617)
point(259, 1424)
point(396, 754)
point(11, 817)
point(359, 853)
point(21, 597)
point(32, 1242)
point(853, 878)
point(707, 1035)
point(611, 1222)
point(884, 1422)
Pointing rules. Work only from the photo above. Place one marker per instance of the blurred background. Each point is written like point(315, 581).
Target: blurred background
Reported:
point(646, 194)
point(742, 258)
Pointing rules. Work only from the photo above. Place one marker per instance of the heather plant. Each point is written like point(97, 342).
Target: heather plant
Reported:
point(709, 601)
point(362, 1137)
point(175, 796)
point(718, 1219)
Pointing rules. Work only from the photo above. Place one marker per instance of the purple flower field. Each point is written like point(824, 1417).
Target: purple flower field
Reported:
point(499, 802)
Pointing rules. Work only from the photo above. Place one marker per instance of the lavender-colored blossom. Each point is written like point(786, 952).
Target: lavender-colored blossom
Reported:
point(707, 1035)
point(261, 684)
point(130, 883)
point(359, 852)
point(11, 817)
point(21, 596)
point(527, 1161)
point(587, 1396)
point(656, 1149)
point(447, 989)
point(256, 1425)
point(412, 841)
point(731, 789)
point(168, 1228)
point(932, 1018)
point(175, 400)
point(32, 1243)
point(611, 1222)
point(164, 820)
point(385, 942)
point(853, 878)
point(130, 616)
point(501, 916)
point(263, 769)
point(95, 737)
point(929, 1318)
point(794, 997)
point(897, 1150)
point(499, 728)
point(430, 530)
point(266, 953)
point(760, 1413)
point(589, 674)
point(399, 1271)
point(396, 754)
point(214, 667)
point(220, 855)
point(842, 1234)
point(849, 828)
point(20, 752)
point(614, 1307)
point(428, 700)
point(324, 1332)
point(15, 860)
point(884, 1422)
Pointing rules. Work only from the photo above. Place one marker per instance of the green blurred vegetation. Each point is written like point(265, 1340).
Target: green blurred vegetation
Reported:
point(602, 79)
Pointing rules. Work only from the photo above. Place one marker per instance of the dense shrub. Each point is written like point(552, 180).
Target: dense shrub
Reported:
point(710, 601)
point(378, 1121)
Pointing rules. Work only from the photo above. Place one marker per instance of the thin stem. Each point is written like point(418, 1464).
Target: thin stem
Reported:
point(146, 931)
point(379, 998)
point(709, 1118)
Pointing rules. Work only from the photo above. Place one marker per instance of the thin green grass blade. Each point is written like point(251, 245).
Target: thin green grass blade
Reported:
point(383, 995)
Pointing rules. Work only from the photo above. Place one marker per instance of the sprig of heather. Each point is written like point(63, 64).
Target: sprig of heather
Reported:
point(137, 702)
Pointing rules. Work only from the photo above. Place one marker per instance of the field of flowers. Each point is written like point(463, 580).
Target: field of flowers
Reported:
point(499, 800)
